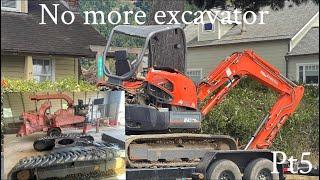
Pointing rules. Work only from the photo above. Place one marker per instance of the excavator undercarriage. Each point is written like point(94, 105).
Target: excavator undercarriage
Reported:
point(173, 150)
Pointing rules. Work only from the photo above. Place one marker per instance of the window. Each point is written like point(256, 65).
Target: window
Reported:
point(10, 5)
point(308, 73)
point(195, 74)
point(208, 27)
point(42, 70)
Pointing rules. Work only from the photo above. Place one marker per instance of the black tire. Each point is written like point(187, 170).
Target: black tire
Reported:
point(44, 145)
point(260, 169)
point(224, 170)
point(54, 132)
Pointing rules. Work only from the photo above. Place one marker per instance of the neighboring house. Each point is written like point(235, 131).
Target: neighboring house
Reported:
point(303, 59)
point(286, 40)
point(43, 52)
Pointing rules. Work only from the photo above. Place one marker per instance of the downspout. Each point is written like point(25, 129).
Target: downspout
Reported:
point(286, 60)
point(287, 63)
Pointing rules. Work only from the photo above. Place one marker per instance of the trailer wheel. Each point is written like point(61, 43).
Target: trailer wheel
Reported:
point(260, 169)
point(54, 132)
point(224, 170)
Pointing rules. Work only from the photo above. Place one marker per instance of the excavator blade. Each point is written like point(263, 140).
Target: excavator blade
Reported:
point(173, 150)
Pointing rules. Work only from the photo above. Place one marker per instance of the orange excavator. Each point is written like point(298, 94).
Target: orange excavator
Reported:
point(165, 99)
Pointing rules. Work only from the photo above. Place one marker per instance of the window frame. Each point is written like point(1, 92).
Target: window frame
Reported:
point(195, 69)
point(304, 71)
point(213, 27)
point(52, 63)
point(16, 9)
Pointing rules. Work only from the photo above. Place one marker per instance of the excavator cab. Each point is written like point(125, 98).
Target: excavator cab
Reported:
point(152, 53)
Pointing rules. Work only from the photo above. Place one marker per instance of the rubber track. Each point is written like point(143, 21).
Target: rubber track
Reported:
point(165, 138)
point(65, 158)
point(64, 136)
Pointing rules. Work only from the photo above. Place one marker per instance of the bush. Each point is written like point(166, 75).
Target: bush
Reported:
point(246, 105)
point(67, 84)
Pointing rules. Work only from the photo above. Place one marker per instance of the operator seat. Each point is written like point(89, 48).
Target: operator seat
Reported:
point(122, 64)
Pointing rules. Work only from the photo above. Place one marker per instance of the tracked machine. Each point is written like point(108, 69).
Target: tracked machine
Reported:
point(161, 99)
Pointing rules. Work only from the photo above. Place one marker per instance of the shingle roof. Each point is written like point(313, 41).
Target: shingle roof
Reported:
point(309, 44)
point(281, 24)
point(21, 32)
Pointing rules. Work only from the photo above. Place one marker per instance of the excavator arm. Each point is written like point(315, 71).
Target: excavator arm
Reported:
point(247, 64)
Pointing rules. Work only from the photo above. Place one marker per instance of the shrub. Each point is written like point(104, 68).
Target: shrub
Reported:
point(67, 84)
point(246, 105)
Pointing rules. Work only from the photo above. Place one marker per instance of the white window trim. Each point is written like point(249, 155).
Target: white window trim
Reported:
point(53, 66)
point(213, 26)
point(196, 69)
point(304, 64)
point(17, 9)
point(53, 71)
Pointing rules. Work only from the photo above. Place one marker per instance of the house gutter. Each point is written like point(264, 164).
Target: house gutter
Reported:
point(238, 41)
point(15, 51)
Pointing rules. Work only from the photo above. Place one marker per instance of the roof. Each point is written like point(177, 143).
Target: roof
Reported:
point(281, 24)
point(309, 44)
point(21, 32)
point(144, 31)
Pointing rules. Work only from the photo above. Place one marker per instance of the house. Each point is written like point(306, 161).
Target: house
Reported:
point(303, 59)
point(288, 40)
point(30, 50)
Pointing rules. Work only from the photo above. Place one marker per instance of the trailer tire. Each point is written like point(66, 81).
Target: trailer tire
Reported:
point(260, 168)
point(224, 169)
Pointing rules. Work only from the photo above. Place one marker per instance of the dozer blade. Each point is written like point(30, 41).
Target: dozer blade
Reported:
point(173, 150)
point(72, 163)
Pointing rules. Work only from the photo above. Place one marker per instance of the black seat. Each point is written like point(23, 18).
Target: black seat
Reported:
point(122, 64)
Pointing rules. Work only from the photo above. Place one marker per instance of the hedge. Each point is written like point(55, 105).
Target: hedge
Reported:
point(247, 104)
point(67, 84)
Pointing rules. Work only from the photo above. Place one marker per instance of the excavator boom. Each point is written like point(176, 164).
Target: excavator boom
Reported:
point(228, 74)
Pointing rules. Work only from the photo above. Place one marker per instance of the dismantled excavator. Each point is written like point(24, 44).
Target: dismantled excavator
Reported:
point(66, 156)
point(73, 157)
point(41, 120)
point(165, 99)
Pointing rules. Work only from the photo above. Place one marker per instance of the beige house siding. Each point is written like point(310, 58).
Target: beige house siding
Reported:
point(12, 67)
point(294, 60)
point(208, 35)
point(24, 6)
point(65, 67)
point(208, 57)
point(224, 28)
point(219, 30)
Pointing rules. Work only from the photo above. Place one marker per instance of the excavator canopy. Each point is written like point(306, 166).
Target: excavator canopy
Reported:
point(164, 45)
